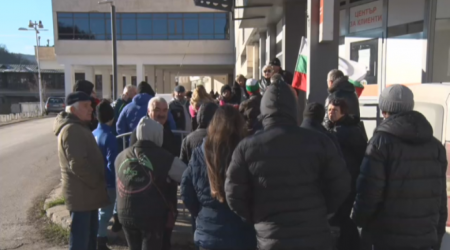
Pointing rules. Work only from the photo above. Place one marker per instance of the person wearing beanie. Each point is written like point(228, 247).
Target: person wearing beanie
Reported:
point(250, 108)
point(133, 112)
point(82, 170)
point(179, 107)
point(312, 120)
point(401, 197)
point(276, 66)
point(107, 143)
point(87, 87)
point(286, 179)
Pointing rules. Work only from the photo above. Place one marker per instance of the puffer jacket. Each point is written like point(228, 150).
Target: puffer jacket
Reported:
point(401, 192)
point(82, 165)
point(343, 89)
point(217, 227)
point(311, 124)
point(250, 109)
point(195, 139)
point(286, 179)
point(263, 84)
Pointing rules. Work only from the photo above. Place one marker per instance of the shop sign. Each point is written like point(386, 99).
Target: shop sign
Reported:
point(326, 20)
point(366, 16)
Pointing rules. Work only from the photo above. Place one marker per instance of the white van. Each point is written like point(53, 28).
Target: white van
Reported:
point(433, 101)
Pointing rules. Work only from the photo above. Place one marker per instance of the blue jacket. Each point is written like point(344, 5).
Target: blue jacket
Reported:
point(217, 227)
point(133, 112)
point(107, 142)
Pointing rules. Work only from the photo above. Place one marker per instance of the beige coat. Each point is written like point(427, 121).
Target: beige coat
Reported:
point(82, 165)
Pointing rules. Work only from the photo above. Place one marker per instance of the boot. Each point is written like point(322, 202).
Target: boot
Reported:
point(101, 243)
point(116, 227)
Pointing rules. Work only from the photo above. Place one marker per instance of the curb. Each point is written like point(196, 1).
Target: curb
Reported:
point(181, 235)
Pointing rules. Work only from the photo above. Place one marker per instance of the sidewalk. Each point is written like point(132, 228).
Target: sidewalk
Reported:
point(181, 236)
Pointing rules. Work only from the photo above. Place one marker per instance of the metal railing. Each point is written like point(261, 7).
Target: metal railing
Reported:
point(378, 119)
point(18, 116)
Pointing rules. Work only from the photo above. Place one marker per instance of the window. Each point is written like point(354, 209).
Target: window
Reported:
point(366, 53)
point(441, 57)
point(144, 26)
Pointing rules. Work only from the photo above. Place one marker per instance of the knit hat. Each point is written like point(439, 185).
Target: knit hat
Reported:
point(144, 87)
point(77, 97)
point(275, 62)
point(252, 85)
point(105, 112)
point(396, 99)
point(225, 88)
point(180, 89)
point(314, 111)
point(84, 86)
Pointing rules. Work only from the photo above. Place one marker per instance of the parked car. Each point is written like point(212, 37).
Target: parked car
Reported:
point(54, 105)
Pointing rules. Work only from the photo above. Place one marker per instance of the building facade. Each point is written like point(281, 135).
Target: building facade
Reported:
point(158, 41)
point(399, 42)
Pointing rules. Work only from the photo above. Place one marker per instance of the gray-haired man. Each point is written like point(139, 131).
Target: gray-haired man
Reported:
point(82, 170)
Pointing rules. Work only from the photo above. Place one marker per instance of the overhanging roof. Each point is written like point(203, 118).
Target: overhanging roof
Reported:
point(224, 5)
point(259, 13)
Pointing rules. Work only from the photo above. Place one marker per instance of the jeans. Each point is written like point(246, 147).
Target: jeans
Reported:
point(105, 213)
point(193, 220)
point(83, 231)
point(143, 240)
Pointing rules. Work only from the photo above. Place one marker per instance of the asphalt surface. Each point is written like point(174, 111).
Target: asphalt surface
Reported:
point(28, 169)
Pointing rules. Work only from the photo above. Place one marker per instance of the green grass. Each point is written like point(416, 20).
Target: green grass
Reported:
point(57, 202)
point(56, 234)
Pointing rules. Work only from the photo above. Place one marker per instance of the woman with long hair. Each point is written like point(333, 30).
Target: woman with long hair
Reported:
point(199, 97)
point(203, 186)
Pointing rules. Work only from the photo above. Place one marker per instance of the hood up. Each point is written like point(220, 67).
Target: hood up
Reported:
point(411, 127)
point(206, 113)
point(150, 130)
point(278, 106)
point(342, 84)
point(142, 99)
point(63, 119)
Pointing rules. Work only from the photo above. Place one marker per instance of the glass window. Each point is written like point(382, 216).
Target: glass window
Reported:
point(144, 26)
point(441, 57)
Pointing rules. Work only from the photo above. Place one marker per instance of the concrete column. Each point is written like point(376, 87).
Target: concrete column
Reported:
point(69, 78)
point(172, 83)
point(128, 79)
point(120, 84)
point(318, 68)
point(166, 86)
point(140, 73)
point(256, 73)
point(89, 74)
point(294, 28)
point(159, 81)
point(262, 51)
point(151, 76)
point(106, 84)
point(271, 42)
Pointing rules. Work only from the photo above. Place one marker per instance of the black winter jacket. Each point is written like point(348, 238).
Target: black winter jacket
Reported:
point(343, 89)
point(402, 199)
point(311, 124)
point(286, 179)
point(195, 139)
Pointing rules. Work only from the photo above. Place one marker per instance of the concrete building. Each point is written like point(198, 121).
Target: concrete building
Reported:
point(159, 41)
point(399, 41)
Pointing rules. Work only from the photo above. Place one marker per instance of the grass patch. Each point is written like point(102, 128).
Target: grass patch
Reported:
point(57, 202)
point(56, 234)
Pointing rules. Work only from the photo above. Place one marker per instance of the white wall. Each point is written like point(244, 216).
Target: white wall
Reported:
point(405, 11)
point(443, 9)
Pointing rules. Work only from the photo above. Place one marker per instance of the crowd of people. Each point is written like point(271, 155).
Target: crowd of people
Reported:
point(251, 172)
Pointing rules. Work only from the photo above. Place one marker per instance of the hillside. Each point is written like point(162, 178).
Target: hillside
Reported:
point(7, 57)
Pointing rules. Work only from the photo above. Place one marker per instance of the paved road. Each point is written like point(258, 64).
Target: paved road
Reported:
point(28, 169)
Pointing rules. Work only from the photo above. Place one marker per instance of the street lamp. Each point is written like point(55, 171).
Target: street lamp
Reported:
point(114, 45)
point(37, 27)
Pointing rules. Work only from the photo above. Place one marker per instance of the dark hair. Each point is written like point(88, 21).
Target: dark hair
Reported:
point(314, 111)
point(189, 94)
point(341, 103)
point(105, 112)
point(334, 74)
point(225, 132)
point(144, 87)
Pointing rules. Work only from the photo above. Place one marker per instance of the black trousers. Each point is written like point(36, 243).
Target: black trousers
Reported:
point(144, 240)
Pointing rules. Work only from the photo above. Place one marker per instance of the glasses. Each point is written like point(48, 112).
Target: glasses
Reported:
point(267, 71)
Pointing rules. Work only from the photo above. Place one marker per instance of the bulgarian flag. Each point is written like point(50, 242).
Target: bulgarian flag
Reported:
point(301, 68)
point(356, 72)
